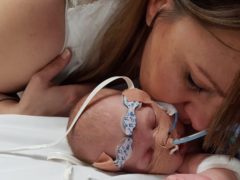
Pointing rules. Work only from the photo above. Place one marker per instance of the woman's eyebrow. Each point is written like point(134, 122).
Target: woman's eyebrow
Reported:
point(215, 85)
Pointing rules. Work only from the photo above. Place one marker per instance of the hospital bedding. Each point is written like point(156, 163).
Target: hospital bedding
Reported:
point(17, 130)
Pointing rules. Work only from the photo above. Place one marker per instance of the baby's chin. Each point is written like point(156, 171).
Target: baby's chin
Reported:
point(164, 167)
point(168, 166)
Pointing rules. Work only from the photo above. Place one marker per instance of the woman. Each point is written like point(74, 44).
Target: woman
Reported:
point(185, 52)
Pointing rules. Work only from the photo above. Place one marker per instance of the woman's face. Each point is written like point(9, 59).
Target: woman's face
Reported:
point(190, 66)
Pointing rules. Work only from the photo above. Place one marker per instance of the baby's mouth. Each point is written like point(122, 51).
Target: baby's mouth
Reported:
point(183, 148)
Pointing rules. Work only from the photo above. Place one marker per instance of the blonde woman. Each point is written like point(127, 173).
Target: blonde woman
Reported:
point(185, 52)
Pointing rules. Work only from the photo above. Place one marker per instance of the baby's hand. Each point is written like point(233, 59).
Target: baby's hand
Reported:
point(188, 177)
point(210, 174)
point(219, 174)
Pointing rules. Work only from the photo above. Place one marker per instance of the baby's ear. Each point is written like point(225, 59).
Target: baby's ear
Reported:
point(154, 6)
point(105, 162)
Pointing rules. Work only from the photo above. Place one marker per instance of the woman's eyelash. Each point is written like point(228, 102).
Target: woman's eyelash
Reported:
point(193, 85)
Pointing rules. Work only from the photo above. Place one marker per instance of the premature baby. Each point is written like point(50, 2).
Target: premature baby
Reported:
point(126, 131)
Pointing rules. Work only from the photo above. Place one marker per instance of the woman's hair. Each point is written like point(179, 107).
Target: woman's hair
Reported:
point(224, 132)
point(124, 38)
point(221, 13)
point(120, 45)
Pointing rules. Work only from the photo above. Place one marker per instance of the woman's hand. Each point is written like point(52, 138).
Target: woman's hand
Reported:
point(209, 174)
point(43, 97)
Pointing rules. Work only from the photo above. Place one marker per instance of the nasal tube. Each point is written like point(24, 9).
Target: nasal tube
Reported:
point(190, 137)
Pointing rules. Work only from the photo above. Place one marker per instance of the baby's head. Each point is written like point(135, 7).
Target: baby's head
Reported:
point(98, 127)
point(125, 131)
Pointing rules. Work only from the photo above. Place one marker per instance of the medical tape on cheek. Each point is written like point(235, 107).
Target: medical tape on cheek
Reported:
point(171, 110)
point(166, 127)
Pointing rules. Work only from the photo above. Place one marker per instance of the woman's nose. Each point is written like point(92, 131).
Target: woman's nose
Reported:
point(196, 114)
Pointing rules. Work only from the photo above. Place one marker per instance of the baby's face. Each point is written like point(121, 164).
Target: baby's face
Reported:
point(149, 154)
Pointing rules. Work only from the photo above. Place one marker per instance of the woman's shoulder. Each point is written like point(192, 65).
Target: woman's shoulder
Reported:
point(32, 33)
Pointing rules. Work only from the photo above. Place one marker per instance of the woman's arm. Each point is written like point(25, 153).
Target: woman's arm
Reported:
point(8, 106)
point(43, 97)
point(32, 34)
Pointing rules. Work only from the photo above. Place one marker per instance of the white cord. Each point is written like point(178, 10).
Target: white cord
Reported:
point(68, 173)
point(86, 102)
point(70, 160)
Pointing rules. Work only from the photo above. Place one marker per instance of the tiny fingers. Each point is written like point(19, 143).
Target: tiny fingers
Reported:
point(172, 177)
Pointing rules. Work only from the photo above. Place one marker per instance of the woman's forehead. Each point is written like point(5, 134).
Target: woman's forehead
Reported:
point(208, 47)
point(230, 38)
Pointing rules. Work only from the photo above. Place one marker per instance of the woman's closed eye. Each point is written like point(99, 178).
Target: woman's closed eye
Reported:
point(193, 84)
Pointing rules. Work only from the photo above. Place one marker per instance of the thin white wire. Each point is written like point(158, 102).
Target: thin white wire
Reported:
point(86, 102)
point(68, 173)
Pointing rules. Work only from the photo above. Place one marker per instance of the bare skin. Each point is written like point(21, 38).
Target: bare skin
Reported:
point(32, 34)
point(35, 32)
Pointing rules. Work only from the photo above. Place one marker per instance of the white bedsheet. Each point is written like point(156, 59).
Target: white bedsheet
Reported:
point(16, 130)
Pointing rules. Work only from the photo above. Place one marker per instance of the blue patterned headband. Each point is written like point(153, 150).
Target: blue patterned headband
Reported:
point(129, 122)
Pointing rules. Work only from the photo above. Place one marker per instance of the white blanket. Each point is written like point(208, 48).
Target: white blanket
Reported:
point(16, 130)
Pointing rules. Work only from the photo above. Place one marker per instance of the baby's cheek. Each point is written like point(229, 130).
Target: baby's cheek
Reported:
point(147, 158)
